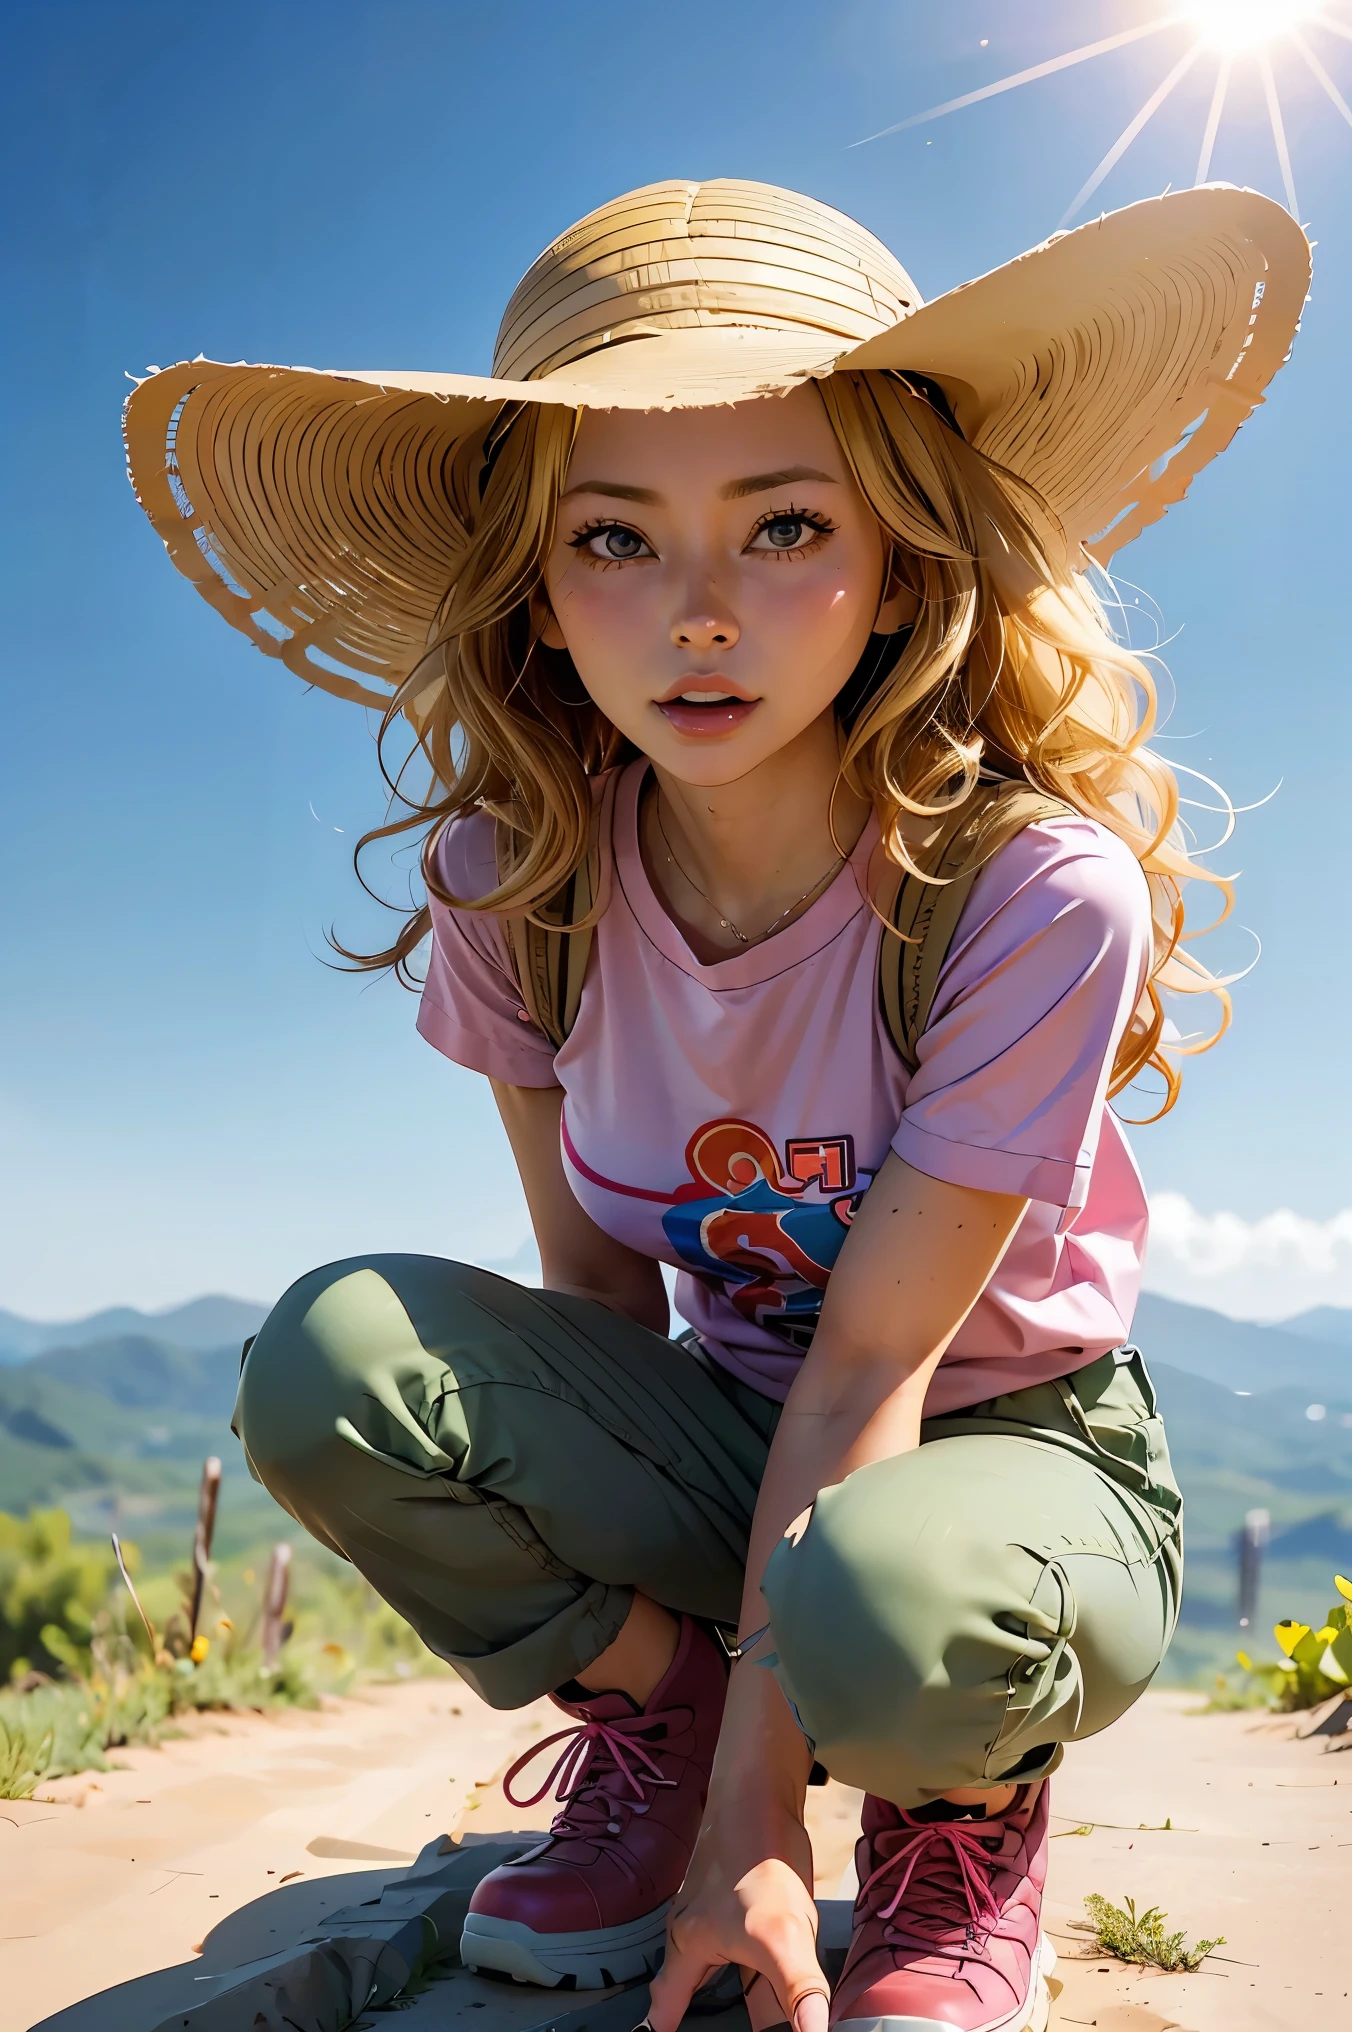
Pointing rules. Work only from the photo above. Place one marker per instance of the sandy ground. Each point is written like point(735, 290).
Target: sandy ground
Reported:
point(1260, 1850)
point(105, 1878)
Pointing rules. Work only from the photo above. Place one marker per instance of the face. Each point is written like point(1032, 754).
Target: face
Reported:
point(715, 576)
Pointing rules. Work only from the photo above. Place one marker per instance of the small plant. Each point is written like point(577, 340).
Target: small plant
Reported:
point(48, 1585)
point(1230, 1697)
point(25, 1754)
point(1317, 1664)
point(1140, 1936)
point(52, 1729)
point(90, 1670)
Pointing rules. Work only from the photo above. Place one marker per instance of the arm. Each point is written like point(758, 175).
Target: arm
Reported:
point(918, 1256)
point(1049, 961)
point(576, 1256)
point(916, 1260)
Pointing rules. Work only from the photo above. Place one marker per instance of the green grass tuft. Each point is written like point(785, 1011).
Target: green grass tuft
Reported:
point(82, 1676)
point(1140, 1936)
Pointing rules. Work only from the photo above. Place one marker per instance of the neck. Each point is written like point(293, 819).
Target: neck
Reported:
point(755, 847)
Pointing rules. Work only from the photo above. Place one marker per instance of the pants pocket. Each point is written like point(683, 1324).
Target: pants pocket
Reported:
point(1046, 1691)
point(1115, 1411)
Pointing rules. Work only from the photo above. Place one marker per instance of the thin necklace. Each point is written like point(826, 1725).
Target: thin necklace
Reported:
point(742, 937)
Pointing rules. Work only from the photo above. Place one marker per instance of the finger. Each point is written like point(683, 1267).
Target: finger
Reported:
point(763, 2008)
point(787, 1958)
point(812, 2013)
point(675, 1983)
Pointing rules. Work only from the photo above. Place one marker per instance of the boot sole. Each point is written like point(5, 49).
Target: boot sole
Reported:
point(1031, 2016)
point(594, 1961)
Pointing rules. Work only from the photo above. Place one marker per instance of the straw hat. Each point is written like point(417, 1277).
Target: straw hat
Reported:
point(1106, 367)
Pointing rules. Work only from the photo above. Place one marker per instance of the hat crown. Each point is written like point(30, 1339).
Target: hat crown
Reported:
point(675, 256)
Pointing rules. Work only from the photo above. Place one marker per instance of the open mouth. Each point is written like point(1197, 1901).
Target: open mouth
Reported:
point(708, 709)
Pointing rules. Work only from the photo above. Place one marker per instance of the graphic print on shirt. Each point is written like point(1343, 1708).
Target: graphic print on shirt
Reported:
point(768, 1229)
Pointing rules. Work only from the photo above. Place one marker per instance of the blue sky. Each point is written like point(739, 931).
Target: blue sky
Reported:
point(189, 1099)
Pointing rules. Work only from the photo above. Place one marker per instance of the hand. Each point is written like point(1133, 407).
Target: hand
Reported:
point(746, 1900)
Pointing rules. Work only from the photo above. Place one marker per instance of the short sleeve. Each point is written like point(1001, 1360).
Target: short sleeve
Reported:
point(471, 1008)
point(1048, 962)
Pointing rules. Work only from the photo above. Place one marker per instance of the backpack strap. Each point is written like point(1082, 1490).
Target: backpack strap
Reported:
point(549, 951)
point(922, 916)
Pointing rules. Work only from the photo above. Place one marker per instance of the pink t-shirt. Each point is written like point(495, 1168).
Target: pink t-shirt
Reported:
point(726, 1119)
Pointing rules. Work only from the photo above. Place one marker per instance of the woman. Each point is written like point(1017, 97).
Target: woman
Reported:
point(744, 610)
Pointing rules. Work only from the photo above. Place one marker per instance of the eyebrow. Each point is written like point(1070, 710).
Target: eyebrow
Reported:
point(616, 490)
point(735, 490)
point(764, 483)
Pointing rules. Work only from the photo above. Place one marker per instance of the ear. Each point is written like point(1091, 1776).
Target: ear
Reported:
point(544, 621)
point(899, 605)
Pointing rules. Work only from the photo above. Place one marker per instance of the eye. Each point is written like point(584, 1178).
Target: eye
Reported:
point(790, 531)
point(610, 543)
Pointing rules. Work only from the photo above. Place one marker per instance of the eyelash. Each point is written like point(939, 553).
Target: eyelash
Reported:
point(580, 538)
point(810, 518)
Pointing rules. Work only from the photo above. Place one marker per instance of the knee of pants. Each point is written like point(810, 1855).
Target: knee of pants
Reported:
point(899, 1615)
point(338, 1364)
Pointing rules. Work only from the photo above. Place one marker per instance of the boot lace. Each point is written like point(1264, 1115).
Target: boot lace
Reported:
point(604, 1773)
point(946, 1867)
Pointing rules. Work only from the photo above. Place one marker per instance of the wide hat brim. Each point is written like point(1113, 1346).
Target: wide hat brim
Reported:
point(1106, 367)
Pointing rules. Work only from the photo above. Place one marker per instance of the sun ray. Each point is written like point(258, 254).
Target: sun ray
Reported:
point(1213, 120)
point(1130, 132)
point(1042, 70)
point(1274, 106)
point(1327, 21)
point(1325, 80)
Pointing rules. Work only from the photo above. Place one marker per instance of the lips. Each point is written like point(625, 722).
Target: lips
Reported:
point(706, 706)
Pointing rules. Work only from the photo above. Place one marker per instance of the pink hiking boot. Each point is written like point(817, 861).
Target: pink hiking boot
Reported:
point(947, 1930)
point(590, 1904)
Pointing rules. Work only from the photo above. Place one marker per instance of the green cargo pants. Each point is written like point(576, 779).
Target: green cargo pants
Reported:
point(507, 1466)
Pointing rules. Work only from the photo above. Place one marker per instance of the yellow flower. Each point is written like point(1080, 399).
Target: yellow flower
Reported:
point(200, 1648)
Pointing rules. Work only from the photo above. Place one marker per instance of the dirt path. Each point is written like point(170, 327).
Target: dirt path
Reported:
point(104, 1879)
point(108, 1875)
point(1260, 1850)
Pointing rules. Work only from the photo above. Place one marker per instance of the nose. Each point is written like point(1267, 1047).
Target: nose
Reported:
point(706, 631)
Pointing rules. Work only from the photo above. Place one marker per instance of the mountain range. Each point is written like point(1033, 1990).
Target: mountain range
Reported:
point(114, 1426)
point(1244, 1353)
point(1323, 1323)
point(1311, 1352)
point(203, 1323)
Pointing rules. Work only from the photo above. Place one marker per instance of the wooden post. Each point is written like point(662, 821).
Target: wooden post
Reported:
point(1252, 1545)
point(275, 1631)
point(202, 1537)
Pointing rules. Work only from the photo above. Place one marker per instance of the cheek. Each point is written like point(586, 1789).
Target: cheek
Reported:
point(826, 605)
point(594, 608)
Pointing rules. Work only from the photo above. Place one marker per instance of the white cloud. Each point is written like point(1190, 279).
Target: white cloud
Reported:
point(1279, 1264)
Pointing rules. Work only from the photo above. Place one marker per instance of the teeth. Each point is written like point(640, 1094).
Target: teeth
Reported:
point(705, 698)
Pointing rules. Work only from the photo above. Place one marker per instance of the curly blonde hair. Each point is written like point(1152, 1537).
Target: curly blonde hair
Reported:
point(1011, 665)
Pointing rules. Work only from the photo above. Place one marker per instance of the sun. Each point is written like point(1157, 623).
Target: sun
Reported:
point(1243, 24)
point(1232, 33)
